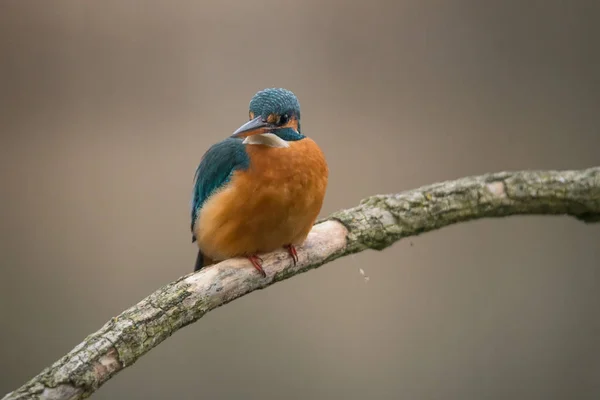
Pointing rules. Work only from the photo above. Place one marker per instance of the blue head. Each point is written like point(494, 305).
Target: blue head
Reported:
point(275, 111)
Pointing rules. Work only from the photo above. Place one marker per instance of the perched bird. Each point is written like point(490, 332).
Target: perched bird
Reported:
point(260, 189)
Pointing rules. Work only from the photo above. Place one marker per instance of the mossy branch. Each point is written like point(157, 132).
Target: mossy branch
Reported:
point(376, 223)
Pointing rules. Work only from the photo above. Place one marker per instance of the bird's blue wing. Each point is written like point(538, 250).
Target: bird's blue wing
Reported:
point(214, 171)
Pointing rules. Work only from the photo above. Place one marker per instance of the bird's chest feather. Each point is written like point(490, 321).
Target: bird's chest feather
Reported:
point(293, 172)
point(287, 183)
point(272, 203)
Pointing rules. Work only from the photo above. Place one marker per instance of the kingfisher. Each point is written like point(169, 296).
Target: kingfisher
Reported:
point(260, 189)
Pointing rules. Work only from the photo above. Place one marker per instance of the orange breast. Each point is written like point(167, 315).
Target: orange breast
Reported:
point(273, 203)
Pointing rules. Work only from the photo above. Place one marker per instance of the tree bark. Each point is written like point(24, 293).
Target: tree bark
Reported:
point(376, 223)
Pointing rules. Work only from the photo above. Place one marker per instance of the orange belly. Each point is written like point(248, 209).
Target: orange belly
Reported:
point(272, 204)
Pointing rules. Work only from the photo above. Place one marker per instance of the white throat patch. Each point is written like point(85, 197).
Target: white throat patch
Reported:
point(266, 139)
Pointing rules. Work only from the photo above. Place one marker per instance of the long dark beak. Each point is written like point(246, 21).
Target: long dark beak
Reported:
point(253, 127)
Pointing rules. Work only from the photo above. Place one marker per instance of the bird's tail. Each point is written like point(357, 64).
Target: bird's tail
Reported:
point(202, 261)
point(199, 261)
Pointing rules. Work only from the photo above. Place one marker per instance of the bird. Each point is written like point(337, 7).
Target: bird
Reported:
point(261, 188)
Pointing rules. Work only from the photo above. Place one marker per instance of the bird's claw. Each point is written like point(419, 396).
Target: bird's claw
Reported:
point(256, 262)
point(292, 251)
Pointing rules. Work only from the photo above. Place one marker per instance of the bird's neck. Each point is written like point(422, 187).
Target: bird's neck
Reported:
point(288, 134)
point(278, 138)
point(266, 139)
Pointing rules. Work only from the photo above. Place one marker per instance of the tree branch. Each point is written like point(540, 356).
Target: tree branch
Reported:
point(376, 223)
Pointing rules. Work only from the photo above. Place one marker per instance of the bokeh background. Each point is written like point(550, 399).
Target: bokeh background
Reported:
point(106, 108)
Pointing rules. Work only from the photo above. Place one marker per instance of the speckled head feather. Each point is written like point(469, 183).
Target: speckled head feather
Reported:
point(275, 100)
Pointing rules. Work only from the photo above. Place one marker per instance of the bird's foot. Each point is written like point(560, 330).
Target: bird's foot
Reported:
point(292, 250)
point(256, 262)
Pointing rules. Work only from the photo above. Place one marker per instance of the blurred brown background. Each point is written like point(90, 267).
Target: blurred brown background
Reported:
point(106, 108)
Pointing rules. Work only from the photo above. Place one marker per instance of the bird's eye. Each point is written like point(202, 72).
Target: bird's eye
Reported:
point(283, 119)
